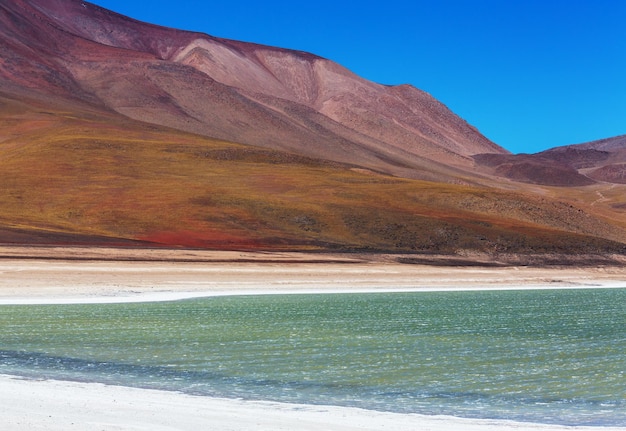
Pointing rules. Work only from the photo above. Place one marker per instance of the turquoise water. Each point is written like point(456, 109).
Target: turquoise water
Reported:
point(549, 356)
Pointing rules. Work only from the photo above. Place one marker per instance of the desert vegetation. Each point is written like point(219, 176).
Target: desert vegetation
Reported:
point(104, 180)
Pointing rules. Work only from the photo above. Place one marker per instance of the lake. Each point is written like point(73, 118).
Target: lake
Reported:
point(549, 356)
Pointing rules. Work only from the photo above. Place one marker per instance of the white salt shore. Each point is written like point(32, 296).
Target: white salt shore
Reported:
point(58, 405)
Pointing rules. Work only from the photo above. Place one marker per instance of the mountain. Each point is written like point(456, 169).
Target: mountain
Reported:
point(235, 91)
point(114, 131)
point(602, 161)
point(571, 165)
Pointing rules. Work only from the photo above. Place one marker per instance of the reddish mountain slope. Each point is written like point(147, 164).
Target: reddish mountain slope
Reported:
point(114, 131)
point(568, 166)
point(232, 90)
point(603, 160)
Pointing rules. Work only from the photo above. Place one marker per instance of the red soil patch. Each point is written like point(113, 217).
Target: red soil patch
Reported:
point(194, 239)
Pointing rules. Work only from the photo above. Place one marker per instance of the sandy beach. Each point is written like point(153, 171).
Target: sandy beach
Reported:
point(56, 405)
point(76, 275)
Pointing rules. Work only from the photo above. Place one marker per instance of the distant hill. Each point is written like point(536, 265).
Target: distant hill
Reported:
point(572, 165)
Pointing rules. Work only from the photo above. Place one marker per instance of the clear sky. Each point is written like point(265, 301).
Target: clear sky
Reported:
point(529, 74)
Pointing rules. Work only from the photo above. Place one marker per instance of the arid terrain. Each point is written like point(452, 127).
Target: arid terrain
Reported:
point(119, 133)
point(78, 274)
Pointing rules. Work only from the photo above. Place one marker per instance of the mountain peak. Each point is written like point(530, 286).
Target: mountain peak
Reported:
point(239, 91)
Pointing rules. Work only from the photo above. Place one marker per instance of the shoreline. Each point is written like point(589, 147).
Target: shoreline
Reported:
point(55, 405)
point(135, 296)
point(45, 281)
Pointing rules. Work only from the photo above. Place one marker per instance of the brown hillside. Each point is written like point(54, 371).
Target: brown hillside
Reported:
point(118, 132)
point(230, 90)
point(89, 179)
point(533, 169)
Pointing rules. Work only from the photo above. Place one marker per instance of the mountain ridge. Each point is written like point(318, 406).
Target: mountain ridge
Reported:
point(234, 76)
point(114, 131)
point(600, 161)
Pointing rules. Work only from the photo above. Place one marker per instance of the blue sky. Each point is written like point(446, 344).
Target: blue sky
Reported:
point(529, 75)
